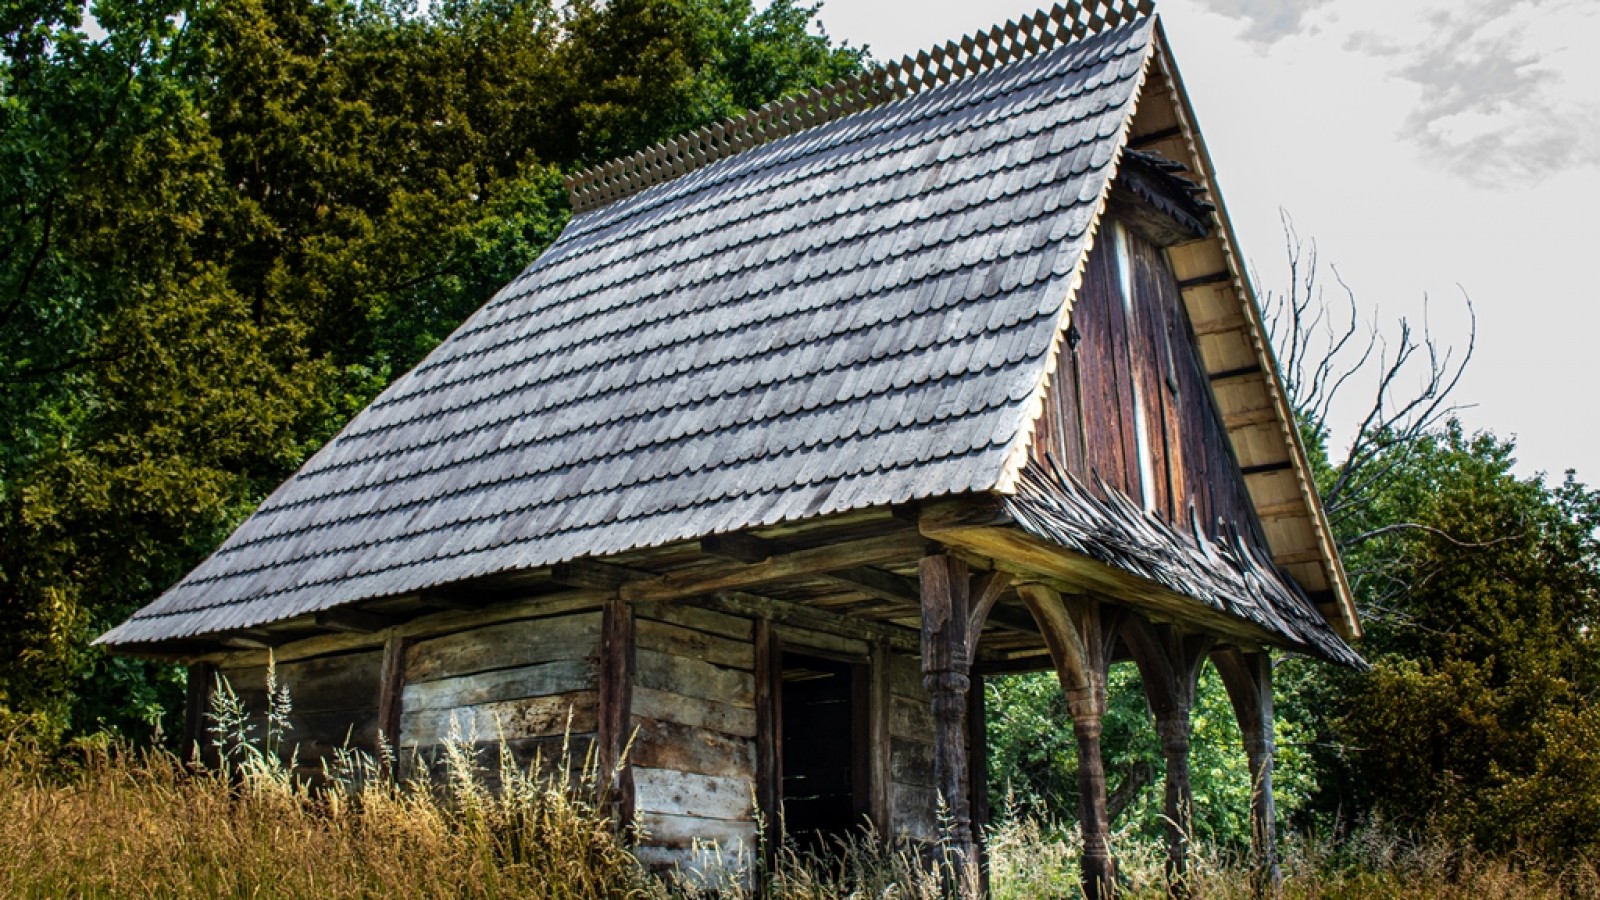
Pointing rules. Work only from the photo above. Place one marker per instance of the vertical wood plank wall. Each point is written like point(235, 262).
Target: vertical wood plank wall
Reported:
point(1087, 424)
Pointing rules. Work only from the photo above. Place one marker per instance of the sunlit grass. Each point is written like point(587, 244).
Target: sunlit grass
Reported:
point(107, 821)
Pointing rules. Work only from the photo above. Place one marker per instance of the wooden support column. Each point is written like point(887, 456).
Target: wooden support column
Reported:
point(946, 664)
point(391, 685)
point(1079, 632)
point(1169, 665)
point(616, 708)
point(1248, 678)
point(879, 772)
point(954, 605)
point(196, 710)
point(978, 767)
point(769, 737)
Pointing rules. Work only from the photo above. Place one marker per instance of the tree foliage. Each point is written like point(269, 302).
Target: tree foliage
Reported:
point(224, 227)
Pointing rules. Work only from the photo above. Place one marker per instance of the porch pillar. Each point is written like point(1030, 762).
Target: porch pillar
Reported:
point(946, 675)
point(1079, 632)
point(954, 605)
point(1248, 678)
point(1169, 665)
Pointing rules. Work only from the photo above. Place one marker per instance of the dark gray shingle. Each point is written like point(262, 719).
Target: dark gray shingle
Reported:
point(852, 316)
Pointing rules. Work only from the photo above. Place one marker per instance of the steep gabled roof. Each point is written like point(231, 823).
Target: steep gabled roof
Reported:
point(859, 314)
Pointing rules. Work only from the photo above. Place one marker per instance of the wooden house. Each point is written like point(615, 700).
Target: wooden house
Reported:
point(805, 424)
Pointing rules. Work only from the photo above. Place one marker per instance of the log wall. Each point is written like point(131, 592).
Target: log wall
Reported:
point(914, 792)
point(530, 684)
point(333, 701)
point(694, 736)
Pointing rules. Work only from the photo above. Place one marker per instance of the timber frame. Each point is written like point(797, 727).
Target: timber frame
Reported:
point(951, 581)
point(1085, 459)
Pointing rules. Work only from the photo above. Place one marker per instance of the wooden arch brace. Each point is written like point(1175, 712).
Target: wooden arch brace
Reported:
point(955, 603)
point(1169, 665)
point(1080, 632)
point(1248, 678)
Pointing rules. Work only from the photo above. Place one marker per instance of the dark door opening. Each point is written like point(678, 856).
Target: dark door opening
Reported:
point(824, 743)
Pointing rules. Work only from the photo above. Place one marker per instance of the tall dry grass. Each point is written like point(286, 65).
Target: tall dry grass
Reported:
point(112, 822)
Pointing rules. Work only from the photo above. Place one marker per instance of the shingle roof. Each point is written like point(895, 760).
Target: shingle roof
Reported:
point(856, 315)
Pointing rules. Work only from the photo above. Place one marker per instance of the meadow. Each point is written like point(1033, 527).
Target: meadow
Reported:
point(107, 821)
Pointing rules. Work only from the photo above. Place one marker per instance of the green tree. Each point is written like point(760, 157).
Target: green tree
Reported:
point(224, 227)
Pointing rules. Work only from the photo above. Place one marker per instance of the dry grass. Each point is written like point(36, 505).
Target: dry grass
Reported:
point(115, 823)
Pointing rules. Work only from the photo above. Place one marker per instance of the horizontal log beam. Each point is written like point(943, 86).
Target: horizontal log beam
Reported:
point(782, 612)
point(899, 546)
point(356, 621)
point(593, 575)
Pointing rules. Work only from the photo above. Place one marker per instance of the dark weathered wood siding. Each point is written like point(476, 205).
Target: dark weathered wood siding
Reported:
point(694, 745)
point(531, 683)
point(1140, 372)
point(333, 699)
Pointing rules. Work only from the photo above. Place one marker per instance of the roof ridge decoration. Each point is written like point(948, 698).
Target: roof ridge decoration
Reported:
point(606, 183)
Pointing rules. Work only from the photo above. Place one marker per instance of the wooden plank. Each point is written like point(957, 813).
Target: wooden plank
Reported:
point(428, 626)
point(662, 830)
point(615, 701)
point(695, 712)
point(677, 793)
point(825, 644)
point(769, 734)
point(803, 563)
point(508, 645)
point(911, 718)
point(793, 614)
point(391, 682)
point(916, 812)
point(196, 707)
point(525, 717)
point(344, 681)
point(693, 678)
point(666, 745)
point(354, 620)
point(739, 628)
point(694, 644)
point(880, 807)
point(592, 574)
point(911, 762)
point(560, 677)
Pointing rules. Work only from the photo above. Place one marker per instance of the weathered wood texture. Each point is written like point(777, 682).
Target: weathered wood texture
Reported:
point(1248, 679)
point(1080, 632)
point(530, 684)
point(1169, 666)
point(914, 800)
point(334, 703)
point(618, 632)
point(694, 724)
point(1091, 422)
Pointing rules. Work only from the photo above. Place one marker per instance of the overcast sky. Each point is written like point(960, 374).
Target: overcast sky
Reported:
point(1432, 149)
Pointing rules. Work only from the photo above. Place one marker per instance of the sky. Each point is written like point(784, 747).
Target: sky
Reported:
point(1436, 152)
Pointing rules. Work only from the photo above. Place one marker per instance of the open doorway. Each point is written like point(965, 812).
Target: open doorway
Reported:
point(823, 711)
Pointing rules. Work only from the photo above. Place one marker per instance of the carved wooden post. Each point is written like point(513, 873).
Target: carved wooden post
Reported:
point(1248, 678)
point(954, 606)
point(1079, 639)
point(946, 665)
point(1169, 665)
